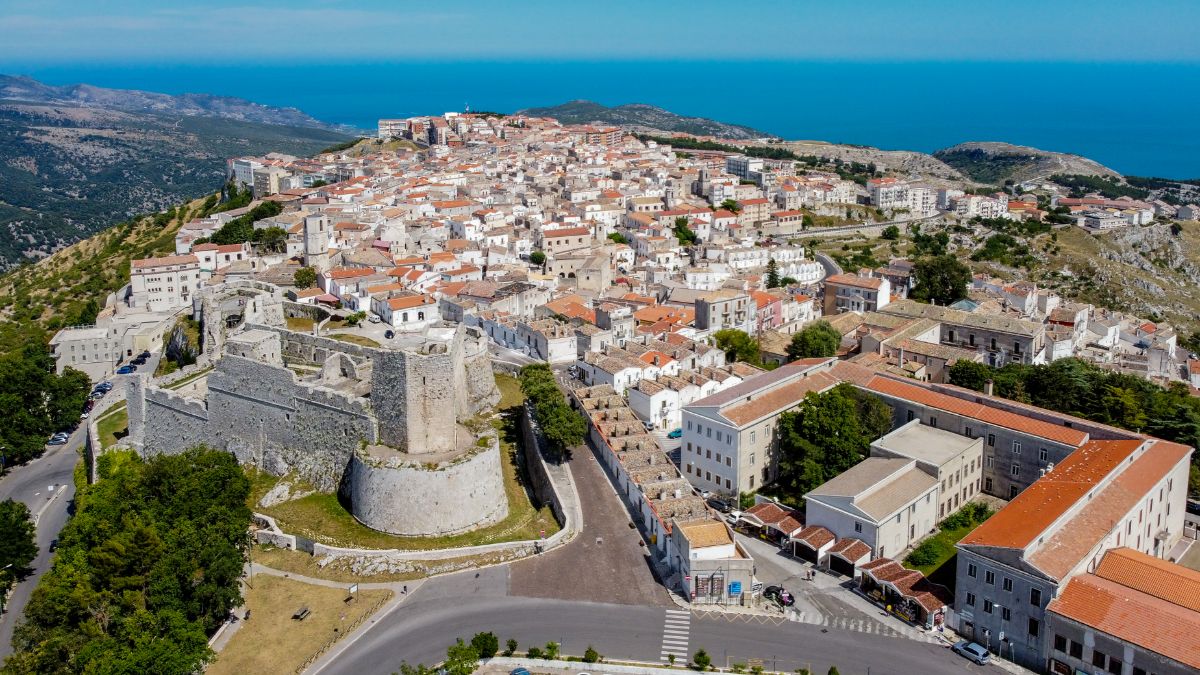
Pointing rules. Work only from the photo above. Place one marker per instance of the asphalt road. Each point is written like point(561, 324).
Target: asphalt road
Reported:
point(421, 628)
point(30, 484)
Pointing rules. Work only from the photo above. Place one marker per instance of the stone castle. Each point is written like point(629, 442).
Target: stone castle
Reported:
point(396, 430)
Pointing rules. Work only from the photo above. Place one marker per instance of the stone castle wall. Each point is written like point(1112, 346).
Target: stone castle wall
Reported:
point(418, 500)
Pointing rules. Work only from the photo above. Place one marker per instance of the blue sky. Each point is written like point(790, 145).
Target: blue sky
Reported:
point(310, 31)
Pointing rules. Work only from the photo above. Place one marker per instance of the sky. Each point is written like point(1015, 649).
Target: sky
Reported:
point(322, 31)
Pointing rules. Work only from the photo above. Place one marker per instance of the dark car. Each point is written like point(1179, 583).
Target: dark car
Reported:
point(780, 595)
point(125, 370)
point(144, 355)
point(389, 334)
point(676, 433)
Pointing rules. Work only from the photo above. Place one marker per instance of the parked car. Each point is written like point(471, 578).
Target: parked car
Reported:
point(89, 405)
point(732, 517)
point(145, 354)
point(676, 433)
point(720, 504)
point(973, 651)
point(780, 595)
point(85, 415)
point(649, 426)
point(139, 361)
point(58, 439)
point(389, 334)
point(374, 318)
point(125, 370)
point(519, 671)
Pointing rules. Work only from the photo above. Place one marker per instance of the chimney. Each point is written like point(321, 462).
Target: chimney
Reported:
point(987, 387)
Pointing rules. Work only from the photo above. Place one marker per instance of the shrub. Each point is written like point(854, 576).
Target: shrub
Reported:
point(534, 653)
point(591, 655)
point(701, 660)
point(487, 644)
point(510, 647)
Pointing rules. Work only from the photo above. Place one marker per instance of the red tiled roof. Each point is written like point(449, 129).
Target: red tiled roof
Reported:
point(1132, 616)
point(814, 536)
point(958, 406)
point(1033, 511)
point(850, 549)
point(164, 261)
point(1164, 580)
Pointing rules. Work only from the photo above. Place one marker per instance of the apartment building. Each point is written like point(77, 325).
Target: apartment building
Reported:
point(855, 293)
point(954, 461)
point(1107, 494)
point(730, 439)
point(888, 193)
point(742, 166)
point(726, 308)
point(162, 284)
point(565, 239)
point(1002, 338)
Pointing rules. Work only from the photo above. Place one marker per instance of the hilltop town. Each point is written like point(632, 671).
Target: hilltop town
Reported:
point(775, 357)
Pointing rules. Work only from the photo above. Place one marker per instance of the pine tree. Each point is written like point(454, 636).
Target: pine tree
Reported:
point(772, 274)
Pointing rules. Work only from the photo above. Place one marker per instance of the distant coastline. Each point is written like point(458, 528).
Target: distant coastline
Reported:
point(909, 106)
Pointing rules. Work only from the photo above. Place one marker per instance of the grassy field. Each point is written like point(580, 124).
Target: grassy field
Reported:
point(296, 562)
point(940, 547)
point(300, 323)
point(112, 427)
point(272, 642)
point(322, 517)
point(359, 340)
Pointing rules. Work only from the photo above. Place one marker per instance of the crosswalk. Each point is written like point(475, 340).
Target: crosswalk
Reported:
point(676, 628)
point(869, 626)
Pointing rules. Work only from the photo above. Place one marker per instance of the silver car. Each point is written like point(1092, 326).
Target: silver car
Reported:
point(973, 651)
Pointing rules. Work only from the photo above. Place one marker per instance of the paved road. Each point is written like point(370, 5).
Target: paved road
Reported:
point(30, 484)
point(419, 630)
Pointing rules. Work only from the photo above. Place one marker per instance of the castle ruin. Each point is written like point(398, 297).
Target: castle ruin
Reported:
point(396, 430)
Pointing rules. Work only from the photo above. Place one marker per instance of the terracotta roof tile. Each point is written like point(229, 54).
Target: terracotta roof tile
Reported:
point(1145, 573)
point(815, 536)
point(850, 549)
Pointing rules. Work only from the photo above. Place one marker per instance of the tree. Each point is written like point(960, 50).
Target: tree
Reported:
point(970, 374)
point(941, 280)
point(737, 345)
point(772, 274)
point(18, 546)
point(731, 206)
point(590, 655)
point(683, 233)
point(702, 660)
point(270, 239)
point(789, 281)
point(461, 659)
point(305, 277)
point(34, 402)
point(561, 426)
point(617, 238)
point(833, 670)
point(551, 650)
point(537, 258)
point(891, 233)
point(818, 339)
point(510, 647)
point(487, 644)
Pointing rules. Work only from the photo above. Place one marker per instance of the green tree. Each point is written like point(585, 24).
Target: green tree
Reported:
point(510, 647)
point(487, 644)
point(731, 206)
point(590, 655)
point(818, 339)
point(551, 651)
point(942, 280)
point(537, 258)
point(772, 274)
point(461, 659)
point(970, 374)
point(34, 402)
point(684, 234)
point(833, 670)
point(18, 547)
point(305, 277)
point(737, 345)
point(617, 238)
point(701, 660)
point(270, 239)
point(561, 426)
point(891, 233)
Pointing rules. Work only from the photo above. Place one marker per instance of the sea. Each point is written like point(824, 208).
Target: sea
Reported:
point(1137, 118)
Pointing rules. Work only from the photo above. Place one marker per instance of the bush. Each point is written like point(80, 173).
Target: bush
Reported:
point(551, 651)
point(701, 660)
point(510, 647)
point(534, 653)
point(591, 655)
point(487, 644)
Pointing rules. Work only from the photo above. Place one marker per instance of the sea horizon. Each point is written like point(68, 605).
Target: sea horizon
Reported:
point(1130, 116)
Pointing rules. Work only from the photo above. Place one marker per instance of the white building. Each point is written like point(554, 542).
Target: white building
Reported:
point(162, 284)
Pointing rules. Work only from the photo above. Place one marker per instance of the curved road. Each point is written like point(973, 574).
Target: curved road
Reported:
point(420, 629)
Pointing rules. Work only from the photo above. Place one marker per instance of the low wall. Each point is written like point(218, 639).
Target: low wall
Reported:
point(537, 470)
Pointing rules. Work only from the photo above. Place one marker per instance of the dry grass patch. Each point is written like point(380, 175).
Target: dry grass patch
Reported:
point(300, 323)
point(303, 564)
point(359, 340)
point(272, 642)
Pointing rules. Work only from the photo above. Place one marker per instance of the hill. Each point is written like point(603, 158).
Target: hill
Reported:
point(643, 117)
point(68, 170)
point(993, 163)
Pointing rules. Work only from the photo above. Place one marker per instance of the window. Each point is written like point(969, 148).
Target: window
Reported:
point(1012, 491)
point(752, 435)
point(727, 484)
point(752, 459)
point(1035, 597)
point(933, 422)
point(1138, 671)
point(992, 440)
point(1099, 658)
point(910, 415)
point(1016, 447)
point(858, 527)
point(728, 460)
point(689, 425)
point(708, 432)
point(1006, 613)
point(972, 570)
point(987, 485)
point(1034, 627)
point(1076, 650)
point(970, 599)
point(990, 461)
point(708, 454)
point(1008, 584)
point(987, 606)
point(989, 577)
point(718, 458)
point(707, 475)
point(689, 446)
point(970, 433)
point(1060, 643)
point(1115, 666)
point(1015, 470)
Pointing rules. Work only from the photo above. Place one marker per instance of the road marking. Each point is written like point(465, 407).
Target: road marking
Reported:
point(676, 631)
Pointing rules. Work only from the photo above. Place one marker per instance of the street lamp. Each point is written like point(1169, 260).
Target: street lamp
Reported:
point(1002, 637)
